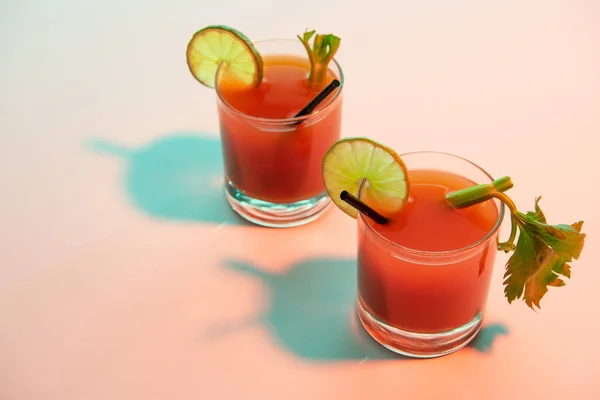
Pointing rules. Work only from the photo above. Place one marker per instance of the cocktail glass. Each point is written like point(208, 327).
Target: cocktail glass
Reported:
point(422, 290)
point(273, 164)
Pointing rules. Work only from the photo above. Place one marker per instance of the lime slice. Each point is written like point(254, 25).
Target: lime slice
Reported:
point(216, 44)
point(352, 161)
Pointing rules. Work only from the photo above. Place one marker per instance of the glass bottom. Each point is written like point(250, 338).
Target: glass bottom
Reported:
point(275, 215)
point(418, 345)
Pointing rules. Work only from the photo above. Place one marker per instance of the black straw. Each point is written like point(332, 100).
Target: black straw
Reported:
point(310, 107)
point(363, 208)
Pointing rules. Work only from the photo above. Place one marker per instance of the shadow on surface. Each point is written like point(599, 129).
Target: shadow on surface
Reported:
point(178, 177)
point(484, 340)
point(312, 312)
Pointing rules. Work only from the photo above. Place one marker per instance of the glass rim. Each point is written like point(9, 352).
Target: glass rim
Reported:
point(428, 253)
point(283, 121)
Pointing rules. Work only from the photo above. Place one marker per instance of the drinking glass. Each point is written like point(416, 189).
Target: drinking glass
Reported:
point(273, 166)
point(425, 303)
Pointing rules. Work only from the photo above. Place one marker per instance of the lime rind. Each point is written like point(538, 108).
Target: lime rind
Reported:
point(352, 161)
point(217, 44)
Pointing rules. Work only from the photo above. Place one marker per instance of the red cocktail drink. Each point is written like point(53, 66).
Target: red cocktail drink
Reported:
point(273, 160)
point(424, 277)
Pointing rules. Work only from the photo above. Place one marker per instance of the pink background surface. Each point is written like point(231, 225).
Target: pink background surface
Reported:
point(115, 285)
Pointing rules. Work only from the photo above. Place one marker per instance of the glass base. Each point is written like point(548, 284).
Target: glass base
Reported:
point(419, 345)
point(275, 215)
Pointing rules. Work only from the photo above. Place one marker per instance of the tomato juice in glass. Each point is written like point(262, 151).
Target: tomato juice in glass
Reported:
point(423, 278)
point(273, 160)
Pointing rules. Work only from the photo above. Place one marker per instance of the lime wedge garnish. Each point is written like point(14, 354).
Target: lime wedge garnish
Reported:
point(217, 44)
point(352, 161)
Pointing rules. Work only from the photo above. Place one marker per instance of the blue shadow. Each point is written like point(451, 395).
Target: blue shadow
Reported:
point(486, 337)
point(312, 313)
point(177, 177)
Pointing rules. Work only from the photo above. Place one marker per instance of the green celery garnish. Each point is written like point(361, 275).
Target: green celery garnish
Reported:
point(542, 251)
point(320, 55)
